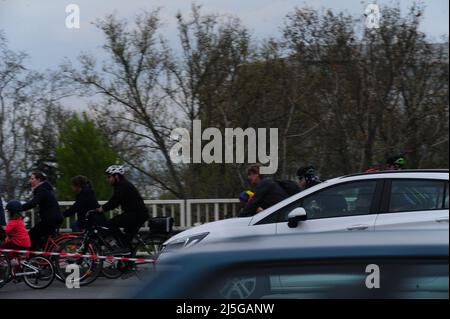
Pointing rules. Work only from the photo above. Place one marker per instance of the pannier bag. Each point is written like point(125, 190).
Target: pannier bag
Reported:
point(161, 225)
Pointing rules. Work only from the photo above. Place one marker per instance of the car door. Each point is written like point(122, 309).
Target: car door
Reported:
point(414, 203)
point(350, 206)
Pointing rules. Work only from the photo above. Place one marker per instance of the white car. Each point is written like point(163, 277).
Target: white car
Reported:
point(386, 200)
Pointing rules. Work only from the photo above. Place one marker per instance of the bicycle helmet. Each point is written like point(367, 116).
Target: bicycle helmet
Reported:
point(115, 169)
point(398, 160)
point(307, 171)
point(14, 206)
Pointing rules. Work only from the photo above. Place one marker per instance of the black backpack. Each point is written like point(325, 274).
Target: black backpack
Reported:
point(290, 187)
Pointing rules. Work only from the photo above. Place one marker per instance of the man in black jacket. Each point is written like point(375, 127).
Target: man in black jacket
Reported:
point(267, 193)
point(49, 212)
point(134, 213)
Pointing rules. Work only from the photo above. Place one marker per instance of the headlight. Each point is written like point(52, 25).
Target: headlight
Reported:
point(184, 242)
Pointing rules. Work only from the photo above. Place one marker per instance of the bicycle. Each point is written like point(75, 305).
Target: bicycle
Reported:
point(37, 272)
point(98, 240)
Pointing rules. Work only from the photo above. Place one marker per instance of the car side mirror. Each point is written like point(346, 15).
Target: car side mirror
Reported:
point(295, 216)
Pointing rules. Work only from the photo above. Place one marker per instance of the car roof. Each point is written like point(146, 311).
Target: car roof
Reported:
point(404, 171)
point(318, 245)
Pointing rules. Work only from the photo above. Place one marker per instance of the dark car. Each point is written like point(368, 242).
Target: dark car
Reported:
point(387, 264)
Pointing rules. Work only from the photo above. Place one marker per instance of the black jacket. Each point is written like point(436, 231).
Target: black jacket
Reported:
point(267, 194)
point(44, 197)
point(84, 202)
point(128, 198)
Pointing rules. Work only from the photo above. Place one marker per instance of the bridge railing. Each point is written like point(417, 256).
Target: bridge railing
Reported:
point(186, 213)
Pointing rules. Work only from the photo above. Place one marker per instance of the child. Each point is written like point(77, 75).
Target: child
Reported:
point(16, 234)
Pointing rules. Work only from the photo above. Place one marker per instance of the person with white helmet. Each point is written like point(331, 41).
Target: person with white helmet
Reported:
point(134, 213)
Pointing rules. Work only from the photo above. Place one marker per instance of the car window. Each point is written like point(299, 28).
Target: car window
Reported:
point(343, 279)
point(344, 200)
point(416, 195)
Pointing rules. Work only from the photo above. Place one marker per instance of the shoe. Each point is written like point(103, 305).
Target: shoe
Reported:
point(120, 251)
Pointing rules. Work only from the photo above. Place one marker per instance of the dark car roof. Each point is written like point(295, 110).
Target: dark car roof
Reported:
point(319, 245)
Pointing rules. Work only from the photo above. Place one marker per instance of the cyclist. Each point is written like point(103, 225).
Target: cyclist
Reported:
point(307, 177)
point(134, 213)
point(16, 234)
point(395, 163)
point(49, 212)
point(267, 192)
point(85, 201)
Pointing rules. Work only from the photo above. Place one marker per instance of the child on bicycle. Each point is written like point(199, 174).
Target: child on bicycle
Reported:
point(16, 234)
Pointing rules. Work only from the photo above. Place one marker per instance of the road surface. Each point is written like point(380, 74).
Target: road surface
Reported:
point(99, 289)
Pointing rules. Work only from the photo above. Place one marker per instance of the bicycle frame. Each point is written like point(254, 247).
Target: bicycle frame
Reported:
point(53, 240)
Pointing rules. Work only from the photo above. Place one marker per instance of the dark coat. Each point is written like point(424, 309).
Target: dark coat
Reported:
point(85, 201)
point(267, 194)
point(128, 198)
point(44, 198)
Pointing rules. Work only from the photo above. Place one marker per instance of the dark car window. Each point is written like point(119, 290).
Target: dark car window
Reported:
point(349, 199)
point(390, 279)
point(416, 195)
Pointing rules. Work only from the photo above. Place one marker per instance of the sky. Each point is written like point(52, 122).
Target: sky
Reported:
point(37, 27)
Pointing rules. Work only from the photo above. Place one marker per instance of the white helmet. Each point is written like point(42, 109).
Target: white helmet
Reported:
point(115, 169)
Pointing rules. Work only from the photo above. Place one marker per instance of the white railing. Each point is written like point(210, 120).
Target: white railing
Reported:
point(186, 213)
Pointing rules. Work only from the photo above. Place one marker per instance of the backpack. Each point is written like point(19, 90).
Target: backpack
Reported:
point(290, 187)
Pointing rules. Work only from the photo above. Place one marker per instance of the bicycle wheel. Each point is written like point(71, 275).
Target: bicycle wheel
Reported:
point(44, 272)
point(55, 248)
point(111, 269)
point(5, 269)
point(89, 268)
point(148, 248)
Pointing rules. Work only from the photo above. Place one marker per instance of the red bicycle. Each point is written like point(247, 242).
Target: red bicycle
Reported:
point(54, 244)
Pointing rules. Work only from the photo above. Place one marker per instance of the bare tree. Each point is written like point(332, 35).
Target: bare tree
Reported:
point(134, 110)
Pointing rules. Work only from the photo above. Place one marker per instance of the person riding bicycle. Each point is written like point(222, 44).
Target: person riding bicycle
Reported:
point(395, 163)
point(17, 236)
point(267, 192)
point(49, 211)
point(307, 177)
point(85, 201)
point(134, 213)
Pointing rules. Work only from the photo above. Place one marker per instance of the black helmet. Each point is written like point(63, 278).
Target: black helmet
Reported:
point(306, 171)
point(398, 160)
point(14, 206)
